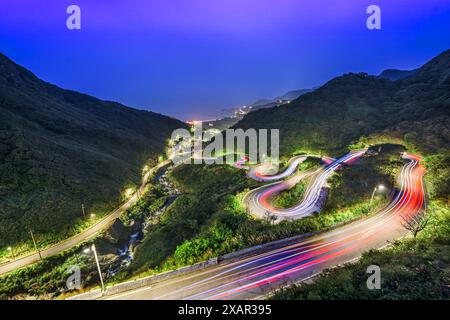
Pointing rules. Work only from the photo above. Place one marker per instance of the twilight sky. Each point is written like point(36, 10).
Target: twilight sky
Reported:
point(192, 58)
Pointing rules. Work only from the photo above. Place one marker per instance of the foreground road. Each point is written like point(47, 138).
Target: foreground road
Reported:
point(258, 275)
point(89, 233)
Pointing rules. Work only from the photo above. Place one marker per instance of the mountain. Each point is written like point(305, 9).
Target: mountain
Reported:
point(348, 107)
point(294, 94)
point(235, 114)
point(394, 74)
point(284, 98)
point(60, 149)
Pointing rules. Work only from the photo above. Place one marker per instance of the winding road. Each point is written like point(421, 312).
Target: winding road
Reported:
point(257, 275)
point(257, 200)
point(255, 174)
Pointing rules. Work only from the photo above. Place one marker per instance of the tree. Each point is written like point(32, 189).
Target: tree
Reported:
point(416, 223)
point(269, 217)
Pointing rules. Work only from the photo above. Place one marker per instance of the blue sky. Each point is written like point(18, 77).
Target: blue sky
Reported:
point(192, 58)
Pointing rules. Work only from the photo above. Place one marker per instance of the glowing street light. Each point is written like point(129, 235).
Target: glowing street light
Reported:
point(94, 250)
point(377, 188)
point(129, 192)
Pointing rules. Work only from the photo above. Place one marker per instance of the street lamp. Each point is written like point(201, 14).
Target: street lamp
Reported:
point(93, 249)
point(377, 188)
point(129, 192)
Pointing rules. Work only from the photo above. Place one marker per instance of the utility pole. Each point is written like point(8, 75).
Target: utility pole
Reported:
point(12, 253)
point(377, 188)
point(98, 267)
point(82, 209)
point(35, 245)
point(373, 194)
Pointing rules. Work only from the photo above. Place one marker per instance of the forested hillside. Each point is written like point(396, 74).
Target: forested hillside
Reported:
point(415, 109)
point(60, 148)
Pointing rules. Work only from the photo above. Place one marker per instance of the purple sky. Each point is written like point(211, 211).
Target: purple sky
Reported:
point(192, 58)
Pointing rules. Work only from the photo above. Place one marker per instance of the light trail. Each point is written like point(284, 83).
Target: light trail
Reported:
point(407, 203)
point(257, 201)
point(257, 275)
point(255, 173)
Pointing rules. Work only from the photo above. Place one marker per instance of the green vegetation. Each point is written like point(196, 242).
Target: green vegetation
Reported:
point(60, 149)
point(438, 175)
point(204, 188)
point(202, 224)
point(292, 196)
point(309, 163)
point(352, 184)
point(152, 200)
point(46, 279)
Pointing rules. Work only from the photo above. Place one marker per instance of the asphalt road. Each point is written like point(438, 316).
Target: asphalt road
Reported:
point(89, 233)
point(257, 275)
point(255, 173)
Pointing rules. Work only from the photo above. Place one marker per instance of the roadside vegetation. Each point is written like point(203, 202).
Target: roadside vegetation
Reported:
point(292, 196)
point(202, 224)
point(86, 216)
point(204, 189)
point(47, 279)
